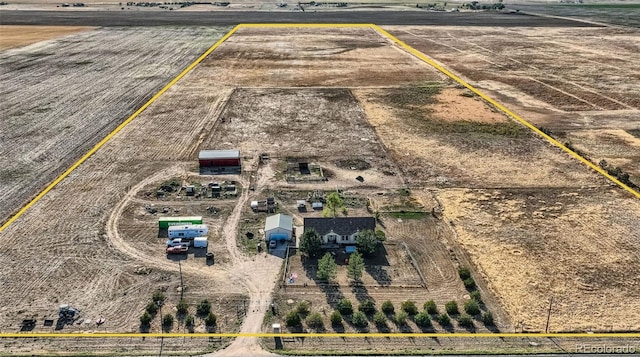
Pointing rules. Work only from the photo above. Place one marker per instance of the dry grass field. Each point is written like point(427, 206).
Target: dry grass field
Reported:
point(528, 219)
point(581, 84)
point(18, 36)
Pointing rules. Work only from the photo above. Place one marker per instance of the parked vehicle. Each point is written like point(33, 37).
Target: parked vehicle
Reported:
point(178, 249)
point(188, 231)
point(175, 242)
point(200, 242)
point(273, 244)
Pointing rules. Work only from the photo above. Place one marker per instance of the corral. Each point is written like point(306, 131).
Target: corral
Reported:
point(476, 181)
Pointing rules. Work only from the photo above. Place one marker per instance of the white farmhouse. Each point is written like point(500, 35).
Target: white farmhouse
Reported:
point(339, 230)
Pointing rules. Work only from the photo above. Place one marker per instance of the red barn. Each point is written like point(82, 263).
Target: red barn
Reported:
point(220, 159)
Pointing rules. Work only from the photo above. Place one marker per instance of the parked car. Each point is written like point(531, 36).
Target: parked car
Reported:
point(178, 249)
point(273, 244)
point(176, 241)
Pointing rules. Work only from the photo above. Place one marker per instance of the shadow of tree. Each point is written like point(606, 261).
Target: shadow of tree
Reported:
point(332, 292)
point(360, 291)
point(375, 266)
point(339, 328)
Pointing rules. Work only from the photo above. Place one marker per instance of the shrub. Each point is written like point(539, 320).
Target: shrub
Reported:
point(345, 307)
point(167, 320)
point(472, 308)
point(409, 307)
point(423, 319)
point(431, 307)
point(152, 308)
point(314, 320)
point(189, 321)
point(210, 320)
point(387, 307)
point(469, 283)
point(359, 319)
point(303, 308)
point(464, 273)
point(367, 307)
point(475, 295)
point(444, 320)
point(146, 318)
point(380, 234)
point(158, 296)
point(452, 308)
point(336, 318)
point(465, 320)
point(292, 319)
point(203, 308)
point(401, 318)
point(182, 307)
point(380, 319)
point(487, 318)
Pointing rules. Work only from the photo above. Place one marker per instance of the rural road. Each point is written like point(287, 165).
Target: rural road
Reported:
point(231, 18)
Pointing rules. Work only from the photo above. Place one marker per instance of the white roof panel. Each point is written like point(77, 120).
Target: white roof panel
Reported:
point(279, 221)
point(219, 154)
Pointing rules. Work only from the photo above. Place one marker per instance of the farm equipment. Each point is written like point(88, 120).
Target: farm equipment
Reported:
point(66, 312)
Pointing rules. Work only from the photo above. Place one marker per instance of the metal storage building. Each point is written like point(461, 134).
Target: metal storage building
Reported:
point(278, 227)
point(166, 222)
point(219, 158)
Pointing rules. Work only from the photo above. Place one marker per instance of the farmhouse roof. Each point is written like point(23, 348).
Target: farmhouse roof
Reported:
point(219, 154)
point(279, 221)
point(342, 226)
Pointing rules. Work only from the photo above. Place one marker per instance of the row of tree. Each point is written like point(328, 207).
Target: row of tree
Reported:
point(328, 269)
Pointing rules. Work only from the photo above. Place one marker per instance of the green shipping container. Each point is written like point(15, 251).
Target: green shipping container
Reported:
point(165, 222)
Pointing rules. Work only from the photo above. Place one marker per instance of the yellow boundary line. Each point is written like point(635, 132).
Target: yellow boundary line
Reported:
point(317, 335)
point(553, 141)
point(411, 50)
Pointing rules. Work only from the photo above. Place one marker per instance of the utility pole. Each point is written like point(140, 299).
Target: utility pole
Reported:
point(181, 284)
point(159, 303)
point(546, 329)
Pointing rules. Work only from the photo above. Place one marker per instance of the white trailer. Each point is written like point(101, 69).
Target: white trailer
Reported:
point(200, 242)
point(188, 231)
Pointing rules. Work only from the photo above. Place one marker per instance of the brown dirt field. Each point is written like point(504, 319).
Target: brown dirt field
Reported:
point(445, 345)
point(520, 243)
point(455, 105)
point(66, 94)
point(437, 156)
point(555, 78)
point(18, 36)
point(91, 244)
point(298, 57)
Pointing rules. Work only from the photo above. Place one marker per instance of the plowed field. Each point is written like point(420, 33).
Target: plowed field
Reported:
point(530, 221)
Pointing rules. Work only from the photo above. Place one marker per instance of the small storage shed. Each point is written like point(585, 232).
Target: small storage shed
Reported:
point(278, 227)
point(219, 159)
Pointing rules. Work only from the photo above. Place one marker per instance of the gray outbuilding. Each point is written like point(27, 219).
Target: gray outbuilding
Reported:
point(278, 227)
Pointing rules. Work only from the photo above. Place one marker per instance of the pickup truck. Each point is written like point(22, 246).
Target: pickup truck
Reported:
point(177, 241)
point(178, 249)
